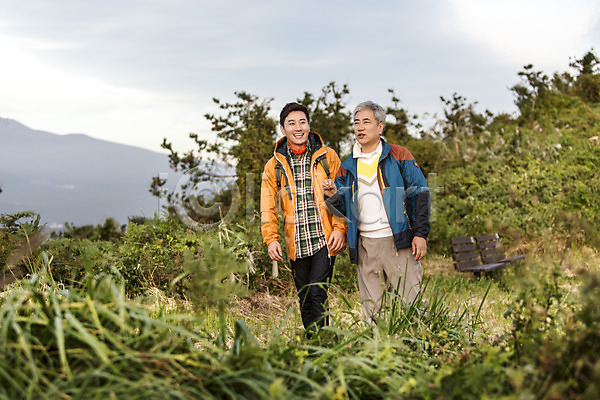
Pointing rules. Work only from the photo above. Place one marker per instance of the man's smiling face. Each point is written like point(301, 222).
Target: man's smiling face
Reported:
point(296, 129)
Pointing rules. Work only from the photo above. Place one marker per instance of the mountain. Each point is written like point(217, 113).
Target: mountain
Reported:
point(75, 178)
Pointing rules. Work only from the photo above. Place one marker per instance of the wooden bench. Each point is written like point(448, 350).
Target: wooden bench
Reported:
point(491, 250)
point(466, 257)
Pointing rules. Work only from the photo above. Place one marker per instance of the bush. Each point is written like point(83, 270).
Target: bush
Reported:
point(150, 255)
point(73, 259)
point(20, 235)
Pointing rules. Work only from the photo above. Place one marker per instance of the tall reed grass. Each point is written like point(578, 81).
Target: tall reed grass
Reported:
point(92, 342)
point(96, 343)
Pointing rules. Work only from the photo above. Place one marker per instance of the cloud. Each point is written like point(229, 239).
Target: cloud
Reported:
point(137, 71)
point(48, 97)
point(533, 31)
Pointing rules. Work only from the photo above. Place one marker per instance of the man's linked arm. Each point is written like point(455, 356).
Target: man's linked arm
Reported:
point(418, 194)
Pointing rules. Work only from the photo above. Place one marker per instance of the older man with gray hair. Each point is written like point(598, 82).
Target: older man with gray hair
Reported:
point(382, 192)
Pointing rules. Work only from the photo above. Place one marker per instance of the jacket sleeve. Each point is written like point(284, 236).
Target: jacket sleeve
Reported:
point(418, 196)
point(338, 219)
point(337, 203)
point(268, 204)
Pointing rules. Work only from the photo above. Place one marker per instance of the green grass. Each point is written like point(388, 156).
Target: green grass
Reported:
point(505, 337)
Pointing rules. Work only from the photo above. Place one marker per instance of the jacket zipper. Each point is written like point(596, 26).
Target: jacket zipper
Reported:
point(314, 167)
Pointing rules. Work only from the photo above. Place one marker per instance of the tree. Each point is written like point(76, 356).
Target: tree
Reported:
point(244, 138)
point(461, 119)
point(531, 93)
point(108, 231)
point(586, 65)
point(329, 116)
point(20, 233)
point(587, 83)
point(396, 131)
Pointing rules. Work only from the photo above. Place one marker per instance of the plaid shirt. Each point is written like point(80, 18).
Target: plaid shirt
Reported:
point(309, 236)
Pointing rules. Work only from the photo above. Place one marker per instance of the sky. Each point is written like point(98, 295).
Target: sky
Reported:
point(135, 72)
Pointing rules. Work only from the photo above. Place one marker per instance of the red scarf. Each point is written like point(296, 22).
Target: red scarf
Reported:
point(298, 152)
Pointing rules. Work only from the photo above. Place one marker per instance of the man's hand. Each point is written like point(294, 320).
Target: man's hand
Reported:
point(337, 241)
point(329, 188)
point(419, 247)
point(275, 252)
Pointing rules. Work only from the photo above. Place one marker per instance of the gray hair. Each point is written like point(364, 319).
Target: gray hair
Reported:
point(378, 111)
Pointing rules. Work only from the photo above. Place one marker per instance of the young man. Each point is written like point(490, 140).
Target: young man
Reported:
point(385, 198)
point(313, 237)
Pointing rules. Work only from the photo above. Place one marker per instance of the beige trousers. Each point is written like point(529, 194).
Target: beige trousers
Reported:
point(381, 268)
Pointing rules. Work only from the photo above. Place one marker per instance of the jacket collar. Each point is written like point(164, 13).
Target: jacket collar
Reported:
point(357, 150)
point(316, 142)
point(350, 162)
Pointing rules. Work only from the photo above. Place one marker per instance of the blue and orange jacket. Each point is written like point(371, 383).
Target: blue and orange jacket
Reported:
point(405, 196)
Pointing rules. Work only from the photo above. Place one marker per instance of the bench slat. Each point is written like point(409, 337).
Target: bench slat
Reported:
point(459, 248)
point(485, 238)
point(462, 240)
point(466, 253)
point(491, 249)
point(463, 265)
point(465, 256)
point(487, 245)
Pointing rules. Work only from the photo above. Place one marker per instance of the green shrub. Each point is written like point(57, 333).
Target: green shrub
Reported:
point(150, 255)
point(20, 235)
point(108, 231)
point(95, 344)
point(72, 259)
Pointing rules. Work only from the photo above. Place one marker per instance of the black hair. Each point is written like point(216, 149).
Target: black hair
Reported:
point(290, 107)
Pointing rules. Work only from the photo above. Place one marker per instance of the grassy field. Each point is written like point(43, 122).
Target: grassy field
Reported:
point(531, 330)
point(263, 310)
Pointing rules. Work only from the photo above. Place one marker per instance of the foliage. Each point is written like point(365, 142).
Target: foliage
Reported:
point(25, 222)
point(213, 276)
point(524, 177)
point(95, 343)
point(398, 130)
point(520, 180)
point(554, 339)
point(461, 120)
point(148, 255)
point(538, 95)
point(244, 138)
point(20, 234)
point(328, 115)
point(158, 254)
point(344, 273)
point(108, 231)
point(586, 84)
point(151, 255)
point(73, 259)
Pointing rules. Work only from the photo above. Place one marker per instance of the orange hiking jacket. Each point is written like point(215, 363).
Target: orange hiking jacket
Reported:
point(287, 189)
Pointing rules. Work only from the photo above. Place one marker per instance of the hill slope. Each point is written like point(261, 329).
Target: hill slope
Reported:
point(75, 178)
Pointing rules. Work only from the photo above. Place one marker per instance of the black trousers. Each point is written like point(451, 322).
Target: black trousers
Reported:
point(311, 276)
